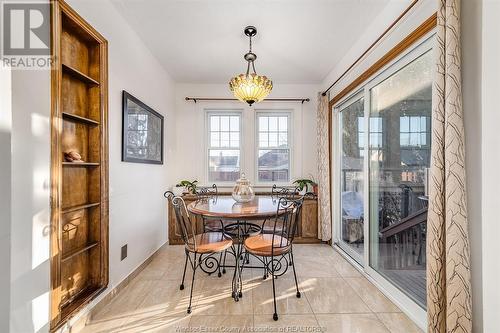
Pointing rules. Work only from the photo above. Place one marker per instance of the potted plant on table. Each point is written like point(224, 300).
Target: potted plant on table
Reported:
point(185, 187)
point(305, 185)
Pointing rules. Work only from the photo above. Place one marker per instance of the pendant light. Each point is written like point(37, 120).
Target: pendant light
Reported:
point(250, 87)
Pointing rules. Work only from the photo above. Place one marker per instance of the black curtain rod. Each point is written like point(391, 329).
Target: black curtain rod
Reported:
point(196, 99)
point(372, 45)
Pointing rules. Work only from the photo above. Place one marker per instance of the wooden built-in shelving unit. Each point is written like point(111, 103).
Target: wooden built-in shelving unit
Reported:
point(80, 119)
point(80, 164)
point(78, 75)
point(79, 191)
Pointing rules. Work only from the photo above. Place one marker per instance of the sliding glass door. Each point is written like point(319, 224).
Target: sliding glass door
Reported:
point(381, 161)
point(399, 157)
point(352, 145)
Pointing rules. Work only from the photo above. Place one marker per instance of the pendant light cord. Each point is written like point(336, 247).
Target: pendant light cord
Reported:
point(250, 61)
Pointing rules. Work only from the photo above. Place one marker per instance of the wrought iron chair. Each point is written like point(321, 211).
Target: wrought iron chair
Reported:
point(200, 249)
point(274, 249)
point(278, 192)
point(210, 194)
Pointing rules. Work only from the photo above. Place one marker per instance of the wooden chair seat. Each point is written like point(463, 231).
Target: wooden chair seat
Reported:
point(209, 242)
point(261, 245)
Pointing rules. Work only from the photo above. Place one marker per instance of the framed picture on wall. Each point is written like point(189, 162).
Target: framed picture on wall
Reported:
point(142, 132)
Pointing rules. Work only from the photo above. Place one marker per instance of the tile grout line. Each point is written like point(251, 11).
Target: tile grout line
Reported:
point(312, 310)
point(361, 298)
point(347, 283)
point(383, 296)
point(383, 324)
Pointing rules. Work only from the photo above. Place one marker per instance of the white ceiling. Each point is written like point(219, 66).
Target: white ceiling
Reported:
point(202, 41)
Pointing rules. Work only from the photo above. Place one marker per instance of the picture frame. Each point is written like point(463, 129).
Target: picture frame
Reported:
point(142, 132)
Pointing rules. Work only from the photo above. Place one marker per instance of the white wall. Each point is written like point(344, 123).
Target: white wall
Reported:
point(30, 266)
point(137, 207)
point(490, 159)
point(5, 201)
point(422, 11)
point(190, 127)
point(471, 88)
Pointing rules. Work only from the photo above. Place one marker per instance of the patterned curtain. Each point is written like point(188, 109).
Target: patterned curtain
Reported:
point(324, 216)
point(449, 301)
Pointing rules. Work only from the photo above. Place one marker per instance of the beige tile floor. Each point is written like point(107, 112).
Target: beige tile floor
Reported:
point(335, 298)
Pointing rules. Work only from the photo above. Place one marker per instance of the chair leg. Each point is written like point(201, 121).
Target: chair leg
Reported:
point(184, 274)
point(265, 269)
point(240, 294)
point(220, 262)
point(290, 263)
point(192, 284)
point(295, 274)
point(275, 315)
point(224, 263)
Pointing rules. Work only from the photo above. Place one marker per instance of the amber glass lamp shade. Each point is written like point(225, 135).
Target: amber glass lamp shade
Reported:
point(250, 88)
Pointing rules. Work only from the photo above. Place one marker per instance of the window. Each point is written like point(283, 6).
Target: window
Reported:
point(224, 137)
point(137, 134)
point(413, 131)
point(351, 140)
point(273, 153)
point(376, 133)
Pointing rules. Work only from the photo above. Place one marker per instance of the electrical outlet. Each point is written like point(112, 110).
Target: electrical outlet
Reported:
point(124, 252)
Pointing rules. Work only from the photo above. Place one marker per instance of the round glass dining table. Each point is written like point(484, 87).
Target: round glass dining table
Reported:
point(226, 208)
point(240, 226)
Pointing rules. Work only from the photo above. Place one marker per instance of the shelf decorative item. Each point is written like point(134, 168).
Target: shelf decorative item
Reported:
point(242, 190)
point(73, 156)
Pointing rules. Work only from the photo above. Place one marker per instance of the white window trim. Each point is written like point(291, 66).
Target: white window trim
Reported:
point(248, 138)
point(270, 113)
point(337, 172)
point(207, 146)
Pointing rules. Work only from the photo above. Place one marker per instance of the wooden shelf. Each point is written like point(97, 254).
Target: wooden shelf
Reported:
point(75, 208)
point(79, 75)
point(76, 301)
point(79, 91)
point(79, 119)
point(71, 254)
point(80, 164)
